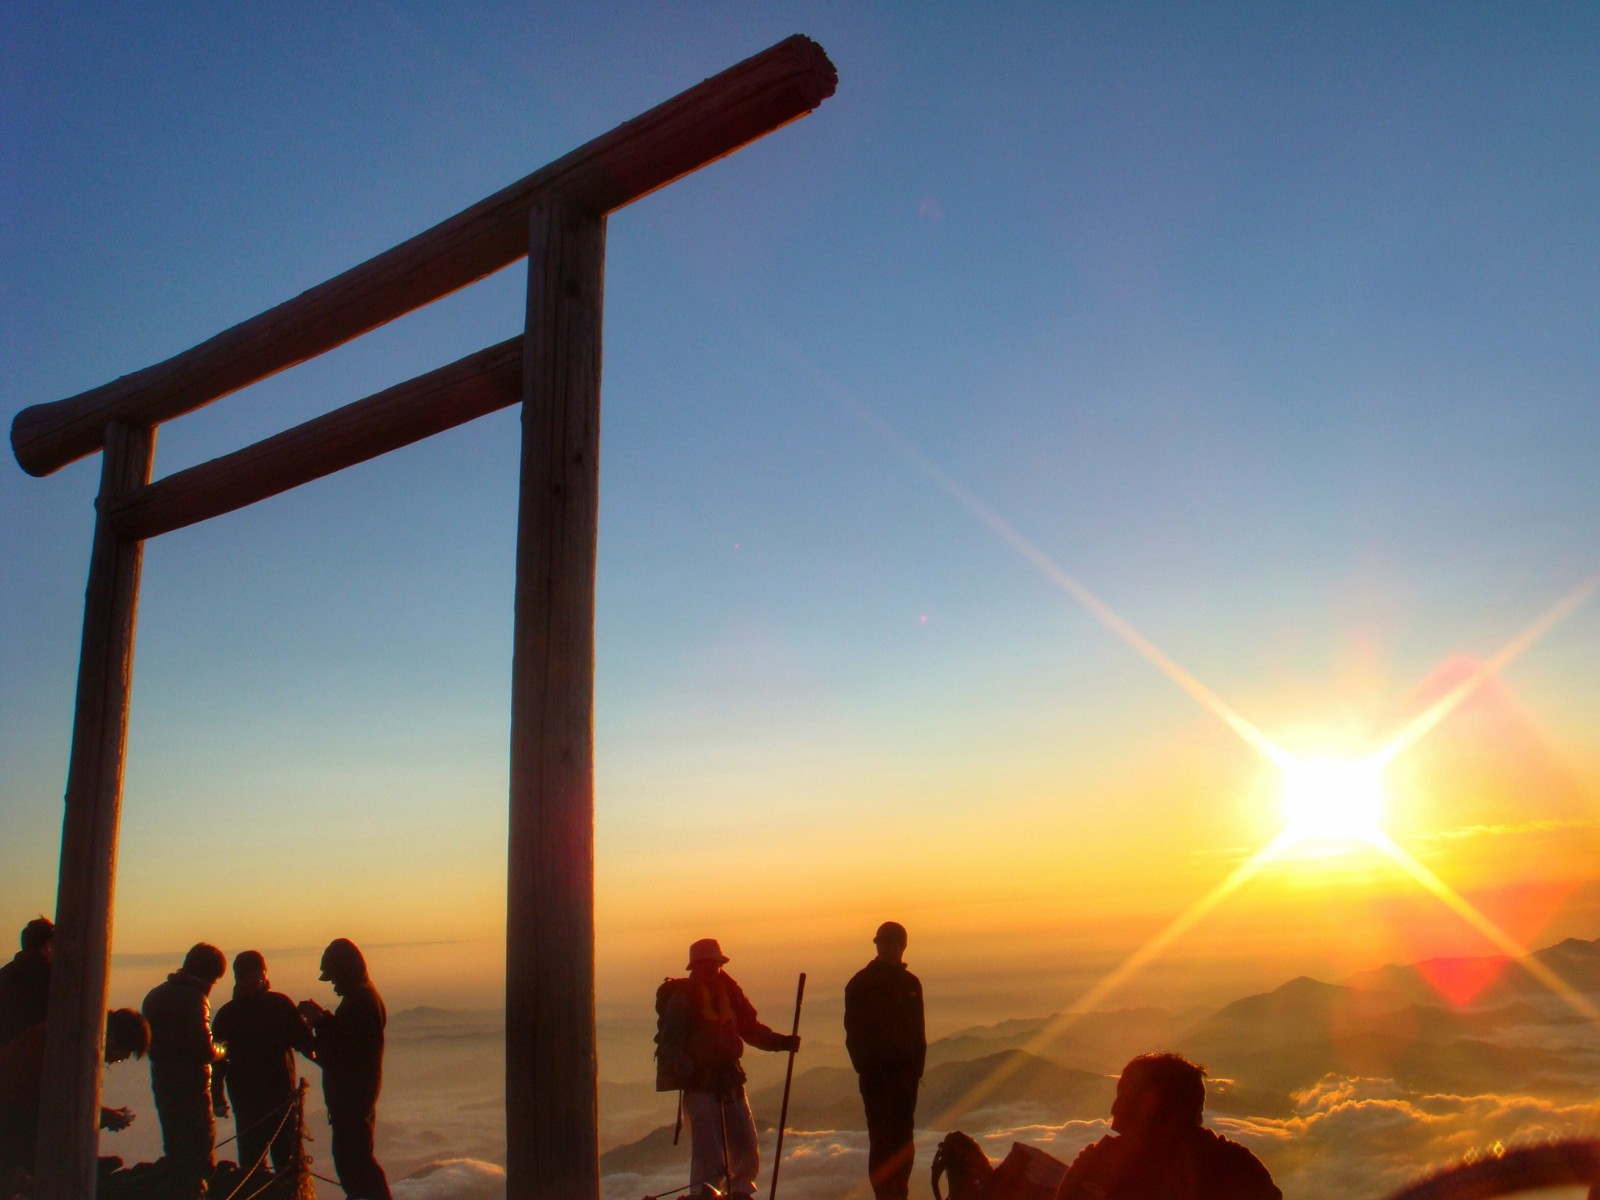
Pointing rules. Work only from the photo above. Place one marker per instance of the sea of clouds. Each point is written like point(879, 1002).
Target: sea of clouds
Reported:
point(441, 1134)
point(1348, 1138)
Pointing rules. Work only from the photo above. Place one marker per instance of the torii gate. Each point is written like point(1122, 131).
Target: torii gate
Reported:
point(557, 218)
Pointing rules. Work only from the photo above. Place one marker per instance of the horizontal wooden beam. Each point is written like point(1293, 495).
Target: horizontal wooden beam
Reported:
point(692, 129)
point(408, 412)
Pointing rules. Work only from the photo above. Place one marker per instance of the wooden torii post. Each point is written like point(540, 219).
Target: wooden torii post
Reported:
point(557, 218)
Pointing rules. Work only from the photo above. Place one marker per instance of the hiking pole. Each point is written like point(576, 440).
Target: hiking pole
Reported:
point(677, 1126)
point(788, 1078)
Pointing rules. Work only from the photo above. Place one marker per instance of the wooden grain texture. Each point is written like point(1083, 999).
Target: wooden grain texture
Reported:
point(409, 412)
point(552, 1092)
point(69, 1111)
point(696, 127)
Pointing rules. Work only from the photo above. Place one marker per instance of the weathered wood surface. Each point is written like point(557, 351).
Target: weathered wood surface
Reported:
point(408, 412)
point(552, 1097)
point(69, 1111)
point(694, 128)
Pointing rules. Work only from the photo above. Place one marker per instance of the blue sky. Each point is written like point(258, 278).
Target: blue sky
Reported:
point(1275, 325)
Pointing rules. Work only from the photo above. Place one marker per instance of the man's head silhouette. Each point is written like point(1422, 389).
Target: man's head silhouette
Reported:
point(249, 973)
point(205, 962)
point(343, 965)
point(37, 937)
point(1156, 1092)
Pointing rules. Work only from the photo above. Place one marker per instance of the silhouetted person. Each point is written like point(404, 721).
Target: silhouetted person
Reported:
point(704, 1027)
point(1159, 1150)
point(22, 1079)
point(258, 1032)
point(349, 1049)
point(181, 1055)
point(25, 980)
point(888, 1044)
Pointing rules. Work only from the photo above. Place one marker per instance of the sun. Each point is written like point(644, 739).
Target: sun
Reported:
point(1333, 800)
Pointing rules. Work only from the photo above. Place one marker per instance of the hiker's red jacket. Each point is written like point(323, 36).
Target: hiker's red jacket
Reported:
point(706, 1026)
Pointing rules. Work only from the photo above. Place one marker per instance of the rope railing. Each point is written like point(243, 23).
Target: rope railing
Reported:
point(292, 1106)
point(261, 1162)
point(238, 1132)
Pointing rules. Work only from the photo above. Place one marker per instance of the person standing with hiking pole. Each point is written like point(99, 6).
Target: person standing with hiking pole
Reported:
point(705, 1022)
point(888, 1045)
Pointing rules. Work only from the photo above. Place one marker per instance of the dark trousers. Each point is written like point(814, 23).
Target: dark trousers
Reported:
point(258, 1115)
point(182, 1093)
point(891, 1104)
point(353, 1161)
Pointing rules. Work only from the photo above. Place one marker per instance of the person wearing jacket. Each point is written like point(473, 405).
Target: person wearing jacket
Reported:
point(22, 1081)
point(706, 1023)
point(25, 980)
point(181, 1054)
point(1159, 1150)
point(258, 1031)
point(887, 1041)
point(348, 1044)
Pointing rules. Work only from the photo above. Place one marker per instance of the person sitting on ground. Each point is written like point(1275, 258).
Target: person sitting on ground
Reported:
point(22, 1079)
point(1159, 1150)
point(25, 980)
point(259, 1030)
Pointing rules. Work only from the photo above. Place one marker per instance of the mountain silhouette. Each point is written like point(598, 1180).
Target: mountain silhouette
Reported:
point(1490, 979)
point(1096, 1041)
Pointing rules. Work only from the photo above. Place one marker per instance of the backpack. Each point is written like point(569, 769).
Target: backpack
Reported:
point(673, 1067)
point(1027, 1173)
point(967, 1166)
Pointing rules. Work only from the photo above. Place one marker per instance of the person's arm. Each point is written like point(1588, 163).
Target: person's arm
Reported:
point(219, 1078)
point(115, 1119)
point(320, 1022)
point(921, 1026)
point(197, 1033)
point(854, 1033)
point(752, 1030)
point(299, 1031)
point(219, 1070)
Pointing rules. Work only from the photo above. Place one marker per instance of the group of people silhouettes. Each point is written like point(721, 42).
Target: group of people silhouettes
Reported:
point(1158, 1148)
point(199, 1064)
point(705, 1021)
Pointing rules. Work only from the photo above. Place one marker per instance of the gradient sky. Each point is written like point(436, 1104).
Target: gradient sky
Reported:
point(1273, 326)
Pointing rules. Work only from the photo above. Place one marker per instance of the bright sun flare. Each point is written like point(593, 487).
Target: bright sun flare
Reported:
point(1333, 800)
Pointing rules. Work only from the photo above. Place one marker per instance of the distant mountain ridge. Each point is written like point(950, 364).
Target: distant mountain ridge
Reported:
point(1488, 980)
point(1397, 1022)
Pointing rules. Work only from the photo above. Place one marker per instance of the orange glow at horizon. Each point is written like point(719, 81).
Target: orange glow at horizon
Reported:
point(1325, 800)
